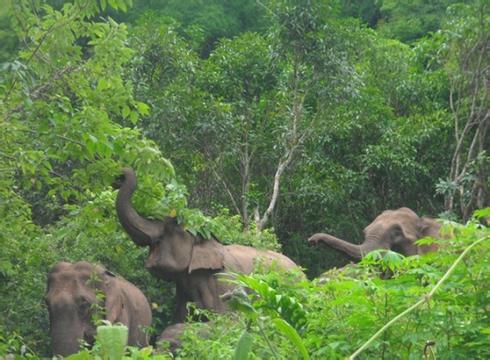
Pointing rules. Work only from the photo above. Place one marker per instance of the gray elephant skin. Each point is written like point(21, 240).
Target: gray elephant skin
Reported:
point(395, 230)
point(170, 338)
point(190, 261)
point(71, 295)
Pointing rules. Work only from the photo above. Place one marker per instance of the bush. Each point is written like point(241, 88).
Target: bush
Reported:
point(337, 313)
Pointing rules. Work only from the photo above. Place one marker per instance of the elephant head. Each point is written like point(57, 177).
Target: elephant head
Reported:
point(173, 250)
point(72, 299)
point(170, 338)
point(395, 230)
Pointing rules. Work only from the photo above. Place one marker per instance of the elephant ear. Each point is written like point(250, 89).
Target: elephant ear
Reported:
point(113, 298)
point(402, 233)
point(207, 254)
point(429, 227)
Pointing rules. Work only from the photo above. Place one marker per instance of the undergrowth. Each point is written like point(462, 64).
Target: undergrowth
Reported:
point(285, 316)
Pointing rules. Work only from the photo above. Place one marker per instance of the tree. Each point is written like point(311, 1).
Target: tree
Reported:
point(244, 112)
point(312, 47)
point(410, 20)
point(62, 100)
point(466, 43)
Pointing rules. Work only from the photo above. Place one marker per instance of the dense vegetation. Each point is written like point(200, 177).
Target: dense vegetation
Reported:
point(262, 122)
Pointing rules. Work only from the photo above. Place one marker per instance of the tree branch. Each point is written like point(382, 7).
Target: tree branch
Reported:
point(227, 189)
point(43, 38)
point(40, 90)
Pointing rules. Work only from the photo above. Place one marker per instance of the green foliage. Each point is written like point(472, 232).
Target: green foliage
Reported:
point(409, 20)
point(243, 347)
point(229, 229)
point(462, 57)
point(266, 299)
point(345, 307)
point(211, 20)
point(61, 146)
point(68, 119)
point(110, 344)
point(370, 120)
point(8, 37)
point(112, 341)
point(386, 260)
point(366, 10)
point(284, 327)
point(380, 149)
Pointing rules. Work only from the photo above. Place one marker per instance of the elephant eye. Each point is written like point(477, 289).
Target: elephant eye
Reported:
point(396, 231)
point(83, 305)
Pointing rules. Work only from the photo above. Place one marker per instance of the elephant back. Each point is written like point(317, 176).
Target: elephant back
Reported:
point(239, 258)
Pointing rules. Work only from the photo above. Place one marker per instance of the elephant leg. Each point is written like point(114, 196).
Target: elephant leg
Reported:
point(204, 292)
point(209, 292)
point(215, 291)
point(180, 311)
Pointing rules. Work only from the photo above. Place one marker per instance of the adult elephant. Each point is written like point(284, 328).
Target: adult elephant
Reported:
point(71, 299)
point(190, 261)
point(395, 230)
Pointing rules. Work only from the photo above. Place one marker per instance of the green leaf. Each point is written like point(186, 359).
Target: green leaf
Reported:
point(103, 83)
point(143, 108)
point(285, 328)
point(112, 340)
point(243, 305)
point(126, 111)
point(122, 6)
point(481, 213)
point(113, 4)
point(82, 355)
point(243, 347)
point(133, 116)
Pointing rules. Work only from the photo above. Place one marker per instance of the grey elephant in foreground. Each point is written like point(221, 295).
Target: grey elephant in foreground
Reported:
point(192, 262)
point(395, 230)
point(71, 298)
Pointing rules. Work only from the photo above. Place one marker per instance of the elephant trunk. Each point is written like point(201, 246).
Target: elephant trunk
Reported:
point(66, 334)
point(353, 250)
point(141, 230)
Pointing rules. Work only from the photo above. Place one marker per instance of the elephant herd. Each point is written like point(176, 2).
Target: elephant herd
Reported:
point(76, 291)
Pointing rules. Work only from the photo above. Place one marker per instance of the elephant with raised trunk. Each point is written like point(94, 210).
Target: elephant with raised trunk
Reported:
point(395, 230)
point(71, 299)
point(190, 261)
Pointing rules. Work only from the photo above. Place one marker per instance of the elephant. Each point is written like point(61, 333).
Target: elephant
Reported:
point(190, 261)
point(71, 298)
point(395, 230)
point(171, 335)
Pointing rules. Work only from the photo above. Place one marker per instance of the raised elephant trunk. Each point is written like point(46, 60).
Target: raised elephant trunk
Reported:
point(142, 231)
point(353, 250)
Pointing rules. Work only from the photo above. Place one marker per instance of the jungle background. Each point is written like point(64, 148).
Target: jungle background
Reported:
point(261, 121)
